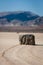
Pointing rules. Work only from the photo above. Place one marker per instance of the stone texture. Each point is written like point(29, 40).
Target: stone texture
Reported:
point(27, 39)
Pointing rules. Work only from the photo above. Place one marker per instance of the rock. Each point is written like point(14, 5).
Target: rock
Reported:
point(27, 39)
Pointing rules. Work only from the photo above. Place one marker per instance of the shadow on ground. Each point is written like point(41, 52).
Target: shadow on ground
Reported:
point(38, 44)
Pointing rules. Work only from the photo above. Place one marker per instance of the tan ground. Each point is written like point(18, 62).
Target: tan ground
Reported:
point(12, 53)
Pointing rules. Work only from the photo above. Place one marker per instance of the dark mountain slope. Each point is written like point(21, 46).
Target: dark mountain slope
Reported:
point(20, 19)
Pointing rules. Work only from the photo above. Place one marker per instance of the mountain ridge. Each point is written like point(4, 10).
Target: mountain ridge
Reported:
point(24, 18)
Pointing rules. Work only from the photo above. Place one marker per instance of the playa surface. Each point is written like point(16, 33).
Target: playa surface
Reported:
point(12, 53)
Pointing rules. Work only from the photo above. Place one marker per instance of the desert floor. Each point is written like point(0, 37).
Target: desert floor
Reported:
point(12, 53)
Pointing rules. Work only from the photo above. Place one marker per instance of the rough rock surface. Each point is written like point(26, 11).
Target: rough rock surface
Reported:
point(27, 39)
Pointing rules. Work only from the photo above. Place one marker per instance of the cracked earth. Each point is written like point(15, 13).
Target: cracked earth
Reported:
point(12, 53)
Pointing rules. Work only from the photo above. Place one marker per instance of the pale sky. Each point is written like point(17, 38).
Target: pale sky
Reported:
point(35, 6)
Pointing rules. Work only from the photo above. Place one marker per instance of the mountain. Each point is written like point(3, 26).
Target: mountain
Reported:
point(39, 21)
point(20, 18)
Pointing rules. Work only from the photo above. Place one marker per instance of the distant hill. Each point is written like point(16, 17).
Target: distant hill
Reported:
point(20, 18)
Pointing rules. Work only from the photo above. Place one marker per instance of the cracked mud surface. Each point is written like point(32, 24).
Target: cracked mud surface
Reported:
point(23, 55)
point(16, 54)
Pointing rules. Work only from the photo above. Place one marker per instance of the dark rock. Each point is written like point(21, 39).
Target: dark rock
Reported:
point(27, 39)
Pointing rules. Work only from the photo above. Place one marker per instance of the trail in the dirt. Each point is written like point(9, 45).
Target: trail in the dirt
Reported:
point(4, 58)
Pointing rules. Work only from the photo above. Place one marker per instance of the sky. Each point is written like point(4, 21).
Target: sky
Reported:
point(35, 6)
